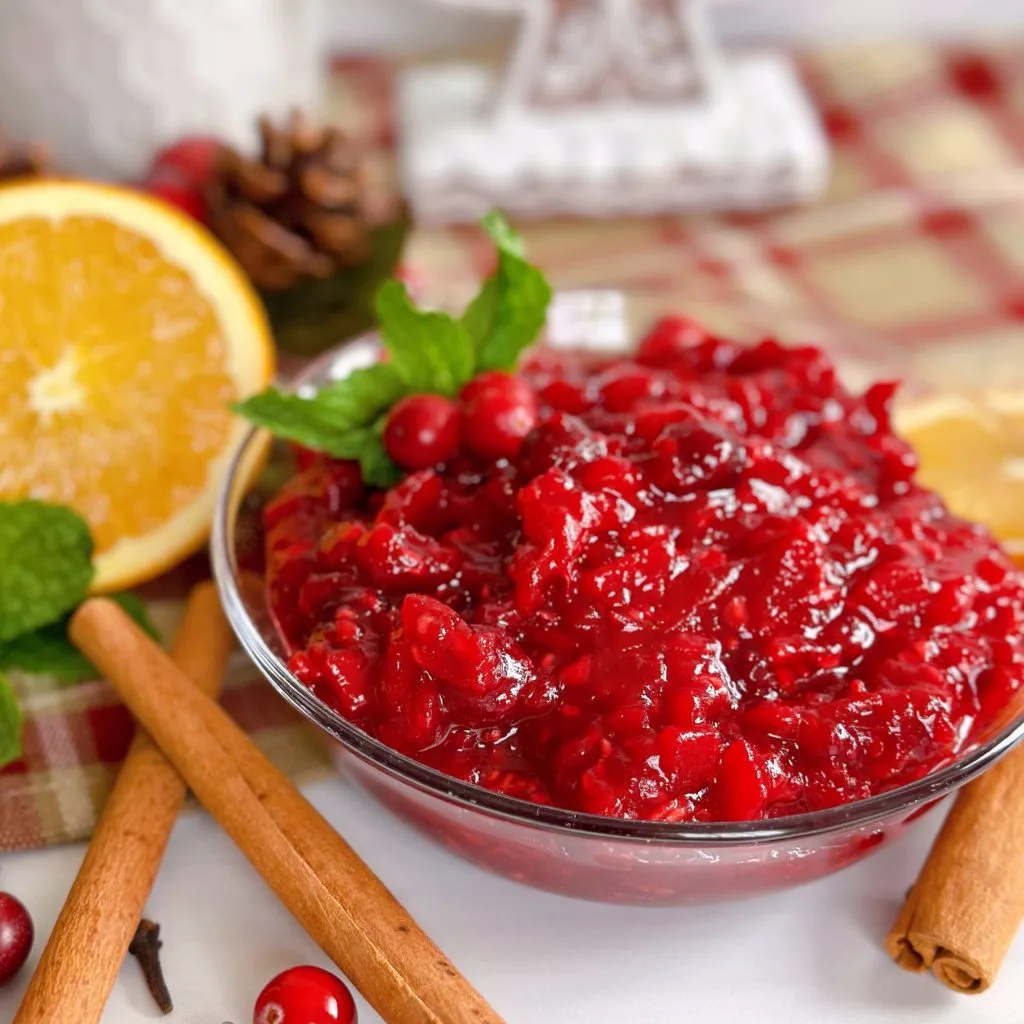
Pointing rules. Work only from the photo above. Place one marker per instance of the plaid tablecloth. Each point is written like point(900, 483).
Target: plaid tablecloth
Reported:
point(912, 265)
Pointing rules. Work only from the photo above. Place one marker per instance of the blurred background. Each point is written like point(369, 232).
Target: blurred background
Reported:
point(403, 25)
point(841, 171)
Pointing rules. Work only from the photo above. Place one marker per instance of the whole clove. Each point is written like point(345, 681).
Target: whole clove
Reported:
point(145, 947)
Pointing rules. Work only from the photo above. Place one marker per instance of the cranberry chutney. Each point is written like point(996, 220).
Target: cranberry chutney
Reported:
point(704, 586)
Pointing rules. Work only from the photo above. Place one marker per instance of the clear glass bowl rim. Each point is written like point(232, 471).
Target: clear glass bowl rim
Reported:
point(428, 780)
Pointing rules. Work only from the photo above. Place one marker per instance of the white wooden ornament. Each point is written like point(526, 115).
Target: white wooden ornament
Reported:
point(606, 108)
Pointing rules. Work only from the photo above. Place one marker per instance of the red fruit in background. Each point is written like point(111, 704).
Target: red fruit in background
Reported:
point(188, 200)
point(16, 934)
point(422, 431)
point(498, 411)
point(305, 995)
point(180, 172)
point(194, 158)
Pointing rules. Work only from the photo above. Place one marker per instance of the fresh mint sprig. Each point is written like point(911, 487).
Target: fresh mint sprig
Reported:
point(45, 565)
point(45, 572)
point(428, 351)
point(48, 651)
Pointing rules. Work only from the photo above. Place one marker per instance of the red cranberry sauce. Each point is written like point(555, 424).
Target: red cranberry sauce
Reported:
point(706, 587)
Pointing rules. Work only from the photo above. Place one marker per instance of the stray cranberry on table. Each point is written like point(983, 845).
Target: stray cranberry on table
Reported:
point(305, 995)
point(16, 934)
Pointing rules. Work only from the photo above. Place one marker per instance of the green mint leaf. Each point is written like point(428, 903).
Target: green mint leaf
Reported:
point(49, 652)
point(135, 608)
point(364, 394)
point(338, 419)
point(430, 350)
point(303, 420)
point(510, 309)
point(374, 462)
point(323, 423)
point(45, 564)
point(504, 236)
point(10, 724)
point(481, 314)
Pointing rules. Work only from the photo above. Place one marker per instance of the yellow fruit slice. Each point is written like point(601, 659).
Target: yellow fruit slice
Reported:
point(125, 333)
point(971, 450)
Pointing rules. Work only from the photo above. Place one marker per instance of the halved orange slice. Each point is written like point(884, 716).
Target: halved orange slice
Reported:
point(125, 333)
point(971, 451)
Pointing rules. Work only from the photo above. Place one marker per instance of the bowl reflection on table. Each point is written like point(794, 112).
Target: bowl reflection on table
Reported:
point(564, 851)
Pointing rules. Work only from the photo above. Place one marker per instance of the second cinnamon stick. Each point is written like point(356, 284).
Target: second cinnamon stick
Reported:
point(87, 946)
point(961, 915)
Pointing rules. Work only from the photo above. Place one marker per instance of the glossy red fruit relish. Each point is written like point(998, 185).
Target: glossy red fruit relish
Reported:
point(705, 588)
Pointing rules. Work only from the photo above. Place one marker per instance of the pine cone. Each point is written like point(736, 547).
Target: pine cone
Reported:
point(295, 211)
point(31, 161)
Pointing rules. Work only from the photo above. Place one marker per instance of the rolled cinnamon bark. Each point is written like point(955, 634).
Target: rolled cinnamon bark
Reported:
point(344, 907)
point(961, 915)
point(87, 946)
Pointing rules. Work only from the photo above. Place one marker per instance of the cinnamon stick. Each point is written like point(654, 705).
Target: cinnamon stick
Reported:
point(961, 915)
point(344, 907)
point(87, 946)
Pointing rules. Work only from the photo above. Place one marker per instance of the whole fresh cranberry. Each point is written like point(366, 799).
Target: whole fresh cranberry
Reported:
point(422, 431)
point(498, 411)
point(16, 934)
point(305, 995)
point(193, 157)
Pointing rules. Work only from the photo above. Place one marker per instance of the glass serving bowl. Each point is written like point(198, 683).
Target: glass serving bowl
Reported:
point(564, 851)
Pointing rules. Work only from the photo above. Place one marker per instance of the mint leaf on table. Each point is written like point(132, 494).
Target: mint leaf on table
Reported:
point(48, 651)
point(430, 350)
point(10, 724)
point(511, 307)
point(45, 564)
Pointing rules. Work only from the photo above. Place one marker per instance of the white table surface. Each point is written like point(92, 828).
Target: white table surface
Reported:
point(808, 956)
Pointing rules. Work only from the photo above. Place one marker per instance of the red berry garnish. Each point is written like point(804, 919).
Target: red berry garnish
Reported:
point(422, 431)
point(16, 935)
point(185, 198)
point(498, 411)
point(305, 995)
point(193, 157)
